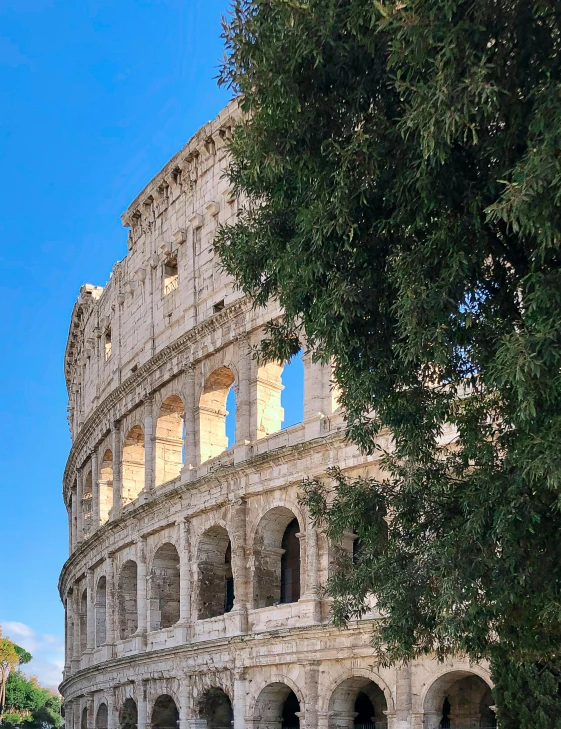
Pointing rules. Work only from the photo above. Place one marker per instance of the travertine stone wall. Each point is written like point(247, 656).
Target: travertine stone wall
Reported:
point(191, 587)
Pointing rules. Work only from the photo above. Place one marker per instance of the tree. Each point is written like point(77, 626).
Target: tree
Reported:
point(401, 166)
point(29, 704)
point(11, 656)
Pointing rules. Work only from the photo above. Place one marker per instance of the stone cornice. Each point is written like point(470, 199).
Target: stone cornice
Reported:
point(135, 380)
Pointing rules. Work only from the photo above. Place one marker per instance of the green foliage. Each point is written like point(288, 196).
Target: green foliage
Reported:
point(402, 164)
point(22, 694)
point(30, 705)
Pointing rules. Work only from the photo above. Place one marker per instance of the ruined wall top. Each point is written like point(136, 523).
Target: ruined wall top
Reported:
point(169, 282)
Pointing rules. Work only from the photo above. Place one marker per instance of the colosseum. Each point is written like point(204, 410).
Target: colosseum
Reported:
point(191, 587)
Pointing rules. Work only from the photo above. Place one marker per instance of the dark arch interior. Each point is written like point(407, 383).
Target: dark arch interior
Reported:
point(165, 714)
point(290, 708)
point(128, 715)
point(290, 564)
point(228, 580)
point(216, 708)
point(446, 708)
point(365, 712)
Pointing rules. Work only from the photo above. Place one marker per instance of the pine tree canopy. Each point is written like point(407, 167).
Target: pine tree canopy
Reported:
point(402, 163)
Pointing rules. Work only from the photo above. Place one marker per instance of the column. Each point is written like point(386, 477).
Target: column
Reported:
point(239, 563)
point(149, 460)
point(190, 447)
point(311, 683)
point(96, 518)
point(142, 604)
point(243, 394)
point(403, 697)
point(90, 719)
point(79, 505)
point(184, 578)
point(90, 616)
point(184, 700)
point(112, 719)
point(117, 460)
point(240, 693)
point(312, 571)
point(68, 636)
point(111, 628)
point(68, 714)
point(142, 705)
point(76, 630)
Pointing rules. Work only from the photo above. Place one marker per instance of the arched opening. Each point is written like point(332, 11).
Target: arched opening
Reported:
point(87, 494)
point(459, 699)
point(231, 415)
point(84, 719)
point(212, 413)
point(292, 398)
point(290, 564)
point(84, 621)
point(270, 414)
point(133, 464)
point(101, 612)
point(106, 486)
point(169, 440)
point(127, 600)
point(216, 708)
point(128, 715)
point(277, 706)
point(358, 703)
point(216, 580)
point(164, 588)
point(165, 714)
point(276, 575)
point(102, 717)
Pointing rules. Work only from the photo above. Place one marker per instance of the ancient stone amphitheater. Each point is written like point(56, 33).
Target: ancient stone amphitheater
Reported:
point(190, 589)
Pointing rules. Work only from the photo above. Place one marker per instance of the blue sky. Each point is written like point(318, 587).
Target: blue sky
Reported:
point(95, 97)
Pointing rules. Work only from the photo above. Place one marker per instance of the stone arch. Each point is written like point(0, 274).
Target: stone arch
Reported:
point(170, 439)
point(216, 579)
point(106, 485)
point(212, 413)
point(83, 620)
point(216, 708)
point(86, 506)
point(358, 701)
point(128, 714)
point(278, 705)
point(127, 599)
point(165, 714)
point(459, 698)
point(101, 611)
point(84, 718)
point(277, 559)
point(102, 717)
point(364, 673)
point(164, 587)
point(133, 467)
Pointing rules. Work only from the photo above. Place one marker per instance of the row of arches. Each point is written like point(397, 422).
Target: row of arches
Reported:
point(456, 700)
point(276, 579)
point(216, 416)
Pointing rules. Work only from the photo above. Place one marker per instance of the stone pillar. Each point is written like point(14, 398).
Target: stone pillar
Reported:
point(74, 506)
point(111, 628)
point(190, 425)
point(184, 700)
point(431, 719)
point(90, 616)
point(149, 450)
point(403, 697)
point(142, 705)
point(115, 512)
point(112, 718)
point(90, 720)
point(312, 571)
point(239, 563)
point(184, 578)
point(76, 630)
point(311, 684)
point(243, 404)
point(240, 694)
point(79, 505)
point(96, 518)
point(142, 602)
point(68, 715)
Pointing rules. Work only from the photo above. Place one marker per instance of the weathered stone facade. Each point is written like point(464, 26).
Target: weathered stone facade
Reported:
point(190, 590)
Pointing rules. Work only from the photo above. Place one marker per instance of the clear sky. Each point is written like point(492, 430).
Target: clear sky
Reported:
point(96, 95)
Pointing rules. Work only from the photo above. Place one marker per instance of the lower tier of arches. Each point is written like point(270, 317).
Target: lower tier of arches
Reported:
point(332, 693)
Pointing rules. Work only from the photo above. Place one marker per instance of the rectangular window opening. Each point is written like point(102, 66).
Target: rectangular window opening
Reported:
point(171, 275)
point(218, 306)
